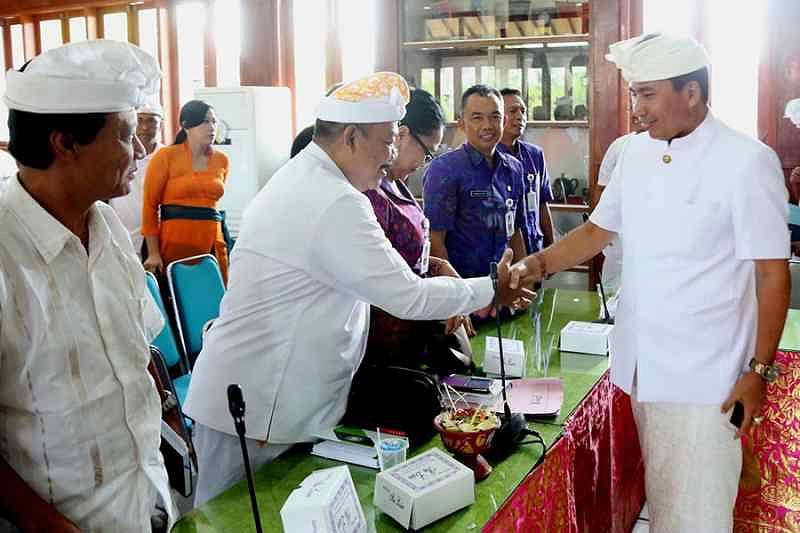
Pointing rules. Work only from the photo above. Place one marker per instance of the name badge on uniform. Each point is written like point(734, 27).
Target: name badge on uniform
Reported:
point(531, 198)
point(424, 259)
point(510, 211)
point(479, 193)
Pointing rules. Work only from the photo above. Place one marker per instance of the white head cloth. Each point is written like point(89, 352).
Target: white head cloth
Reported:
point(100, 76)
point(793, 111)
point(656, 56)
point(151, 108)
point(379, 97)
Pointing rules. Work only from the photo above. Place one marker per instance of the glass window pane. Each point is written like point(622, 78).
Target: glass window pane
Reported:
point(429, 80)
point(559, 104)
point(514, 78)
point(115, 26)
point(77, 29)
point(467, 78)
point(579, 87)
point(17, 46)
point(310, 24)
point(448, 96)
point(191, 18)
point(148, 32)
point(487, 76)
point(536, 108)
point(50, 33)
point(227, 40)
point(357, 37)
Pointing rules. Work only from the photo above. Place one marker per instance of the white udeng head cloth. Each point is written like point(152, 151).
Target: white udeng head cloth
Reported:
point(151, 108)
point(100, 76)
point(656, 56)
point(793, 111)
point(379, 97)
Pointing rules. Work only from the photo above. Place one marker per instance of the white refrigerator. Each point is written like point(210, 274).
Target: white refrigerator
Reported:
point(258, 126)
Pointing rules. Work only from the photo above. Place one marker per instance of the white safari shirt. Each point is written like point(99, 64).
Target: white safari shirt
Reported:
point(79, 414)
point(695, 214)
point(310, 259)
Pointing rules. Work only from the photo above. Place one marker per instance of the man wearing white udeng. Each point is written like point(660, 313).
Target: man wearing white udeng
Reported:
point(705, 277)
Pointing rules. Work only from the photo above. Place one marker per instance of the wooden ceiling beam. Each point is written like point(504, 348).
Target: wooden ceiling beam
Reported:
point(14, 8)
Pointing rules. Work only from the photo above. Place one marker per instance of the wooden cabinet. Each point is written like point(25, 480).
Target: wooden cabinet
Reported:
point(551, 50)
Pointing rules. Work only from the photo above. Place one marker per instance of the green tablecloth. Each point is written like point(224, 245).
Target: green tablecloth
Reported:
point(790, 340)
point(230, 511)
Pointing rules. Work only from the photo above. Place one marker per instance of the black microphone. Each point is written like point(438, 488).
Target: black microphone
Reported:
point(236, 407)
point(513, 427)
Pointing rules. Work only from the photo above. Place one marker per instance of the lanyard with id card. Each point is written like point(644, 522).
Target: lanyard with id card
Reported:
point(424, 259)
point(510, 212)
point(532, 197)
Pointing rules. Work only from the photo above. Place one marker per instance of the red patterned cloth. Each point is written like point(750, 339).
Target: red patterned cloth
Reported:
point(769, 490)
point(592, 478)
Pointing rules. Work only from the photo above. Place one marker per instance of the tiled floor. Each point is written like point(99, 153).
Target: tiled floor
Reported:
point(642, 525)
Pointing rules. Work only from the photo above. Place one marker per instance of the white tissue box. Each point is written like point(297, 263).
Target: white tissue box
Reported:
point(586, 337)
point(424, 489)
point(325, 502)
point(513, 355)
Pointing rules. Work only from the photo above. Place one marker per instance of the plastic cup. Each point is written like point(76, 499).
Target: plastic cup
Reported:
point(391, 452)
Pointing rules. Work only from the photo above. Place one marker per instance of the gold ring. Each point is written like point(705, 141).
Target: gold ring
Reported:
point(758, 419)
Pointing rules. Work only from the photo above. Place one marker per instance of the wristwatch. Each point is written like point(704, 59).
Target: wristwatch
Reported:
point(768, 373)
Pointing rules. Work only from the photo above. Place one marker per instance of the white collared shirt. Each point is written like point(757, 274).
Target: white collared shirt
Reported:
point(310, 259)
point(79, 414)
point(129, 207)
point(695, 214)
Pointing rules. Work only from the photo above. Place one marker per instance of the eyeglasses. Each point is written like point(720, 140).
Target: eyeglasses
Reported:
point(428, 153)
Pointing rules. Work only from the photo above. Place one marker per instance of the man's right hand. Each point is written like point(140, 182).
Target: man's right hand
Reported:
point(510, 289)
point(526, 273)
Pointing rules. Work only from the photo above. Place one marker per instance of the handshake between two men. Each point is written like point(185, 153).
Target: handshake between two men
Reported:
point(515, 282)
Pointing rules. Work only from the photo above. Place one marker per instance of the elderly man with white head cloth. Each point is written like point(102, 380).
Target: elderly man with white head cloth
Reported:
point(705, 281)
point(310, 260)
point(80, 416)
point(129, 207)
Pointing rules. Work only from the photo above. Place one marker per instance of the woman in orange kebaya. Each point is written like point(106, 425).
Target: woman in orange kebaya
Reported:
point(181, 189)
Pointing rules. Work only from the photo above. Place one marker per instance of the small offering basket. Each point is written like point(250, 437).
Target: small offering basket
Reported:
point(467, 445)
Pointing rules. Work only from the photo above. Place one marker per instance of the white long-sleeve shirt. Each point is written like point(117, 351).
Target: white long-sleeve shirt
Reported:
point(310, 259)
point(80, 417)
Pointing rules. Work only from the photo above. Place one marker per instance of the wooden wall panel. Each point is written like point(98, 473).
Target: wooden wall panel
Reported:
point(779, 82)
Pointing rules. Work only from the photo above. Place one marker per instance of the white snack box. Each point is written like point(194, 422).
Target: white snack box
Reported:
point(424, 489)
point(325, 502)
point(586, 337)
point(513, 355)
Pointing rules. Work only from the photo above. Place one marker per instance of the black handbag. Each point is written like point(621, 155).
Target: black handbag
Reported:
point(394, 397)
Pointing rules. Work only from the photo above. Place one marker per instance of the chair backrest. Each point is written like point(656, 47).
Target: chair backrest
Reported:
point(165, 341)
point(197, 288)
point(794, 270)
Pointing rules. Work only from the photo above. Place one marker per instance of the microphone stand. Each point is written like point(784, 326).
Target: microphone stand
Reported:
point(236, 406)
point(513, 428)
point(607, 319)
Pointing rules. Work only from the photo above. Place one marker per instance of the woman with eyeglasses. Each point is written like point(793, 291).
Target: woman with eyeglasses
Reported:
point(181, 189)
point(405, 225)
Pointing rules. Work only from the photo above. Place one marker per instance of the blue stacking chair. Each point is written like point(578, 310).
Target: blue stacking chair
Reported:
point(196, 286)
point(166, 344)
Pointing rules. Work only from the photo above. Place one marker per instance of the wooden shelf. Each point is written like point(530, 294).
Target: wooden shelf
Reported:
point(499, 42)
